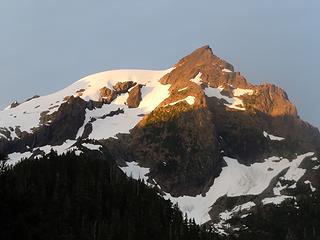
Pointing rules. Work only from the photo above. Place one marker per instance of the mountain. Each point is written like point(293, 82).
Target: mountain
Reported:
point(207, 139)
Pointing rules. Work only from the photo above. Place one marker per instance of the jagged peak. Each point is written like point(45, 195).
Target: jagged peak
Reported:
point(204, 56)
point(218, 73)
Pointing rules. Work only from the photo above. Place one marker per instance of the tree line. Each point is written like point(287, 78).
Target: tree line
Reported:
point(80, 197)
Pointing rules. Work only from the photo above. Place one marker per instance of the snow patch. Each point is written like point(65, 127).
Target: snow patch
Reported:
point(60, 149)
point(197, 79)
point(182, 89)
point(313, 189)
point(235, 103)
point(78, 152)
point(153, 93)
point(27, 114)
point(236, 180)
point(91, 146)
point(276, 200)
point(16, 157)
point(190, 100)
point(245, 215)
point(135, 171)
point(272, 137)
point(293, 186)
point(3, 136)
point(232, 102)
point(241, 91)
point(226, 215)
point(278, 188)
point(226, 70)
point(294, 173)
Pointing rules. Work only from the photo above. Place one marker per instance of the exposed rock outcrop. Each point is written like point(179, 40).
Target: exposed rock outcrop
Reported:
point(183, 151)
point(64, 124)
point(271, 100)
point(203, 61)
point(33, 97)
point(107, 95)
point(134, 98)
point(123, 87)
point(14, 104)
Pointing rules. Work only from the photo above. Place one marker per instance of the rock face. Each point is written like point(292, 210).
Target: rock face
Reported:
point(64, 124)
point(14, 104)
point(211, 68)
point(33, 97)
point(272, 101)
point(183, 152)
point(134, 98)
point(123, 87)
point(107, 95)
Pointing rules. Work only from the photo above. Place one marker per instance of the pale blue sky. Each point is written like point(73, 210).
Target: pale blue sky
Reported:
point(47, 44)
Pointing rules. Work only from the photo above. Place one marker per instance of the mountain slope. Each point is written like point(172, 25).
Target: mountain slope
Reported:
point(210, 141)
point(85, 197)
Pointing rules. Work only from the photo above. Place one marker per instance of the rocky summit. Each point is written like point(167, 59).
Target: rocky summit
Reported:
point(199, 133)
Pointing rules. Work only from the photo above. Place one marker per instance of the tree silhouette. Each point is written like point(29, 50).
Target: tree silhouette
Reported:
point(3, 160)
point(80, 197)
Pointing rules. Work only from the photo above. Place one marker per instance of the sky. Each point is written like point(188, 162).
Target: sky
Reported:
point(45, 45)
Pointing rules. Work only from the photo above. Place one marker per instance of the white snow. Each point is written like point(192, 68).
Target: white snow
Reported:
point(13, 134)
point(60, 149)
point(91, 146)
point(38, 156)
point(3, 136)
point(197, 79)
point(278, 188)
point(153, 93)
point(236, 180)
point(110, 126)
point(226, 70)
point(276, 200)
point(232, 102)
point(15, 157)
point(78, 152)
point(190, 100)
point(182, 89)
point(216, 92)
point(242, 91)
point(294, 173)
point(27, 114)
point(135, 171)
point(293, 186)
point(226, 215)
point(310, 184)
point(272, 137)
